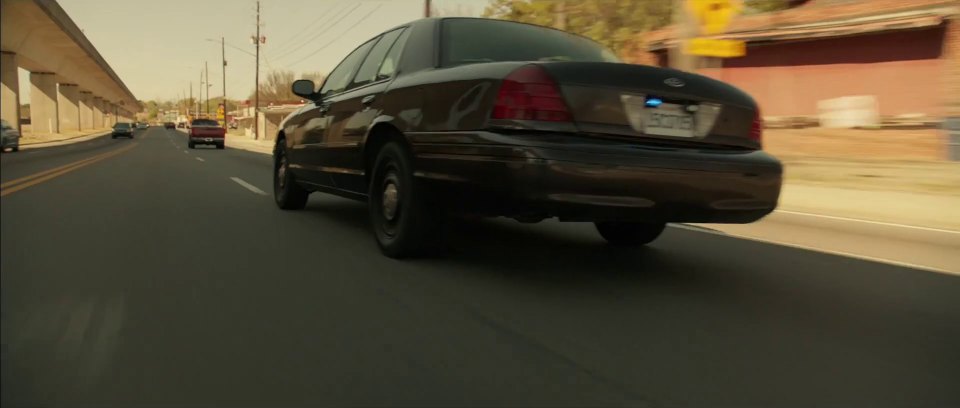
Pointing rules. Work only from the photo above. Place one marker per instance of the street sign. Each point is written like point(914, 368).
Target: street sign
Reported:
point(221, 115)
point(715, 48)
point(713, 17)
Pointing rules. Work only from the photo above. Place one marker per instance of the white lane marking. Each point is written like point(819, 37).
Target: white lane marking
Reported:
point(821, 250)
point(248, 186)
point(104, 342)
point(186, 151)
point(888, 224)
point(72, 339)
point(199, 159)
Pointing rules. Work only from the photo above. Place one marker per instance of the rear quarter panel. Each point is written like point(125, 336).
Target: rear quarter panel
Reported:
point(445, 99)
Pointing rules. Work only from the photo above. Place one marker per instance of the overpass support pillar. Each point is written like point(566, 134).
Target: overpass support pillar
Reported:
point(86, 110)
point(107, 113)
point(68, 107)
point(43, 103)
point(97, 106)
point(10, 89)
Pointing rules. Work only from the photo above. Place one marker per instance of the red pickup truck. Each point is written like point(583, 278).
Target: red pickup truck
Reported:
point(206, 131)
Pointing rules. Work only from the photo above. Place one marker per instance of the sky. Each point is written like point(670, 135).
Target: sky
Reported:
point(158, 48)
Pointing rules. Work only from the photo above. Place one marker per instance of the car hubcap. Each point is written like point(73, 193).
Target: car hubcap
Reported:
point(390, 201)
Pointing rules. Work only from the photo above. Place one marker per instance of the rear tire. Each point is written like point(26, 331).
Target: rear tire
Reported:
point(191, 145)
point(220, 146)
point(113, 136)
point(629, 233)
point(403, 220)
point(286, 192)
point(15, 148)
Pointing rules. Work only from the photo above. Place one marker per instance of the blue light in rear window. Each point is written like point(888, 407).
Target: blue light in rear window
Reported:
point(653, 102)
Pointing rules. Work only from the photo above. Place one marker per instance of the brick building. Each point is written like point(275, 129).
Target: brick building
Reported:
point(906, 53)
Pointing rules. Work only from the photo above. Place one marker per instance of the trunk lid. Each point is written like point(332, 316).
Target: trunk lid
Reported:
point(655, 105)
point(207, 131)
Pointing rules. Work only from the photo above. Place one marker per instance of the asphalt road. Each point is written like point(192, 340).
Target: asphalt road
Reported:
point(149, 276)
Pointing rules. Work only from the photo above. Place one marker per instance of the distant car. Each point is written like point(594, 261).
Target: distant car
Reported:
point(142, 125)
point(122, 129)
point(206, 131)
point(181, 125)
point(487, 117)
point(10, 138)
point(168, 125)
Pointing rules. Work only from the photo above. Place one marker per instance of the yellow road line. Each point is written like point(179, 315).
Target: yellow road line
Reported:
point(53, 170)
point(34, 179)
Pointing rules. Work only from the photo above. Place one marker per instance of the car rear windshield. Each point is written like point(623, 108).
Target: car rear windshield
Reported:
point(123, 125)
point(204, 122)
point(467, 40)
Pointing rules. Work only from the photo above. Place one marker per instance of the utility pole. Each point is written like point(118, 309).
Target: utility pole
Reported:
point(256, 75)
point(426, 8)
point(190, 103)
point(678, 59)
point(200, 94)
point(223, 54)
point(206, 68)
point(561, 17)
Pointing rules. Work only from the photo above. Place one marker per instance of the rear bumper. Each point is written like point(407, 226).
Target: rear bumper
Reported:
point(206, 140)
point(587, 180)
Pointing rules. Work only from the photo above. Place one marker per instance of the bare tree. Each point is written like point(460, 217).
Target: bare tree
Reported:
point(276, 86)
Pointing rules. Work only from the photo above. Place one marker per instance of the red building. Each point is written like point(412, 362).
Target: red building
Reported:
point(903, 52)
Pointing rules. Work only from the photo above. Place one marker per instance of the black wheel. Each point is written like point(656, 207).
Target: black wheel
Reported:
point(399, 205)
point(220, 146)
point(113, 136)
point(629, 233)
point(191, 145)
point(15, 148)
point(286, 192)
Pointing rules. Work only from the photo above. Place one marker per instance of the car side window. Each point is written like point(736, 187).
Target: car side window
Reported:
point(368, 71)
point(340, 77)
point(392, 60)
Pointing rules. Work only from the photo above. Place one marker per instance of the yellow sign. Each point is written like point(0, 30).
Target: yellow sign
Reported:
point(221, 118)
point(714, 16)
point(715, 48)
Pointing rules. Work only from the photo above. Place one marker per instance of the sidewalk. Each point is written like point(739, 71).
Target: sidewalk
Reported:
point(898, 207)
point(913, 193)
point(236, 141)
point(32, 141)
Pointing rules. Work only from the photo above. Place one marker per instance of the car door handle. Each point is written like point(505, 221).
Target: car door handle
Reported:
point(367, 100)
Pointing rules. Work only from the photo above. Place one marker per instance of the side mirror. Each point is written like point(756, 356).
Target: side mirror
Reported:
point(304, 88)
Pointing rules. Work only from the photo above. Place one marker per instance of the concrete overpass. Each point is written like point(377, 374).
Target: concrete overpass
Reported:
point(72, 88)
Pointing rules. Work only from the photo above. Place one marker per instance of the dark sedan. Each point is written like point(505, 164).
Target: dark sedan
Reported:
point(122, 129)
point(451, 116)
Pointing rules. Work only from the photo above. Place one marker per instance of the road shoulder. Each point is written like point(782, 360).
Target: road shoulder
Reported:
point(66, 141)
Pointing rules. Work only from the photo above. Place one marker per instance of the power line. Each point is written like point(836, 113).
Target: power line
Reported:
point(335, 39)
point(241, 50)
point(293, 38)
point(341, 19)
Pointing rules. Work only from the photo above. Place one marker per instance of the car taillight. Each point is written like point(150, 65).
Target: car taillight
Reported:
point(528, 93)
point(756, 129)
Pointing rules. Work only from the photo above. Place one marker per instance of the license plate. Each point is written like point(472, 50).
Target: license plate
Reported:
point(668, 120)
point(208, 139)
